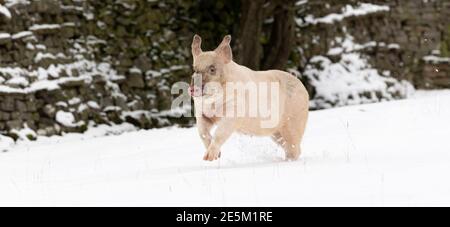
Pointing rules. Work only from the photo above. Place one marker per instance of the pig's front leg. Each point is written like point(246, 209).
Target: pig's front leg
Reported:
point(204, 127)
point(225, 129)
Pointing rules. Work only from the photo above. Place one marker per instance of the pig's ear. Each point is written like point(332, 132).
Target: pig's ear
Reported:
point(224, 50)
point(197, 46)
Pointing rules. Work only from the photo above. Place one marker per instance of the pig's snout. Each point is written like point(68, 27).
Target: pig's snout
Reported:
point(197, 85)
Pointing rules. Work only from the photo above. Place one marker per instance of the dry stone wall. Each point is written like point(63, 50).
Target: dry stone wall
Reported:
point(67, 65)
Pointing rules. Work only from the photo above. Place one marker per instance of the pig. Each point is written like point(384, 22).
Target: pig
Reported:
point(216, 106)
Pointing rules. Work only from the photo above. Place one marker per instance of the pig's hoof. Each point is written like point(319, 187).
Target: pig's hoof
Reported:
point(208, 157)
point(211, 156)
point(292, 158)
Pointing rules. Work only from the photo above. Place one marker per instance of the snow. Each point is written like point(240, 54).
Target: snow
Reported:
point(37, 27)
point(88, 69)
point(89, 15)
point(5, 12)
point(5, 143)
point(69, 24)
point(153, 74)
point(135, 70)
point(67, 119)
point(93, 105)
point(335, 51)
point(4, 35)
point(11, 3)
point(351, 80)
point(30, 46)
point(41, 56)
point(36, 86)
point(348, 11)
point(18, 81)
point(301, 2)
point(436, 59)
point(112, 108)
point(74, 101)
point(387, 154)
point(82, 107)
point(126, 5)
point(345, 82)
point(41, 47)
point(25, 133)
point(64, 105)
point(394, 46)
point(93, 40)
point(43, 85)
point(21, 35)
point(71, 7)
point(13, 72)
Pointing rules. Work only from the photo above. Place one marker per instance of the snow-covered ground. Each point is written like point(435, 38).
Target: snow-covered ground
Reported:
point(394, 153)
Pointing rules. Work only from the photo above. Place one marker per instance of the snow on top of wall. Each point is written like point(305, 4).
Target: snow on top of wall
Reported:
point(135, 70)
point(89, 15)
point(37, 27)
point(93, 105)
point(18, 81)
point(21, 35)
point(348, 11)
point(4, 11)
point(13, 72)
point(351, 80)
point(301, 2)
point(55, 75)
point(126, 5)
point(93, 40)
point(36, 86)
point(348, 45)
point(394, 46)
point(41, 56)
point(48, 78)
point(5, 36)
point(74, 101)
point(436, 59)
point(11, 3)
point(72, 7)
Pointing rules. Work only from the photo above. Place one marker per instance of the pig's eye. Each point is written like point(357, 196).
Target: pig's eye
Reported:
point(212, 70)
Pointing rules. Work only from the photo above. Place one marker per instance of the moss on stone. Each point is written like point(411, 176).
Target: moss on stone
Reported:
point(445, 44)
